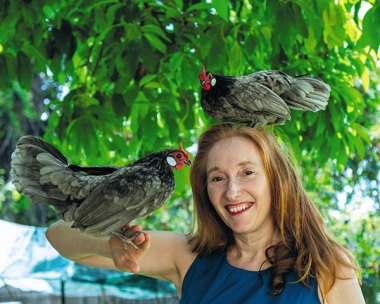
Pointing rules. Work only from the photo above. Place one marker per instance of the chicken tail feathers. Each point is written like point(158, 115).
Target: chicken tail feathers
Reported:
point(32, 164)
point(308, 94)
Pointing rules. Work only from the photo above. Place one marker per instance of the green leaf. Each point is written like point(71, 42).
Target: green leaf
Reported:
point(175, 61)
point(81, 135)
point(111, 11)
point(179, 4)
point(359, 65)
point(12, 66)
point(321, 126)
point(132, 32)
point(130, 95)
point(146, 79)
point(155, 42)
point(333, 35)
point(342, 157)
point(48, 11)
point(371, 32)
point(365, 79)
point(218, 51)
point(360, 148)
point(286, 28)
point(199, 7)
point(236, 58)
point(153, 29)
point(126, 64)
point(335, 117)
point(222, 8)
point(310, 41)
point(24, 70)
point(119, 106)
point(362, 132)
point(34, 53)
point(5, 83)
point(147, 55)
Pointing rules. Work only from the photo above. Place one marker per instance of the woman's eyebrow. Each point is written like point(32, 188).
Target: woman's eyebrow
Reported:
point(242, 164)
point(245, 163)
point(212, 169)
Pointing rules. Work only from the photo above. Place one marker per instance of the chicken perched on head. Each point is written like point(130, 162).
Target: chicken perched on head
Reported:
point(99, 201)
point(261, 98)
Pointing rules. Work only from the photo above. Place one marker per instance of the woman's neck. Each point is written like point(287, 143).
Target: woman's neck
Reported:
point(248, 252)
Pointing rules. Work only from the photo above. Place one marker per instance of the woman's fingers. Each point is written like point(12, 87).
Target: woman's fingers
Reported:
point(140, 238)
point(127, 260)
point(146, 243)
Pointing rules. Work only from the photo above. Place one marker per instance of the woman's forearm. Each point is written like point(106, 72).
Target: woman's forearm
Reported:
point(73, 244)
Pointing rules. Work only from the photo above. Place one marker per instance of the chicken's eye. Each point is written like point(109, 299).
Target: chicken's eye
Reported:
point(209, 76)
point(179, 156)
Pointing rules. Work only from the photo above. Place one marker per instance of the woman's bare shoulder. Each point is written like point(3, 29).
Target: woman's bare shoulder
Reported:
point(346, 289)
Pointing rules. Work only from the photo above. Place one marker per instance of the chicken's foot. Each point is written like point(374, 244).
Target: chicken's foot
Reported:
point(128, 239)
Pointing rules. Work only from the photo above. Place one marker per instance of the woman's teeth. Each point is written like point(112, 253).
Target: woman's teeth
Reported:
point(239, 208)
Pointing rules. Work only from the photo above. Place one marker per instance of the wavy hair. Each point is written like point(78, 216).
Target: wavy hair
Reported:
point(305, 247)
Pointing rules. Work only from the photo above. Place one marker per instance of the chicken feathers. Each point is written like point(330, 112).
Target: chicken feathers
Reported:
point(261, 98)
point(99, 201)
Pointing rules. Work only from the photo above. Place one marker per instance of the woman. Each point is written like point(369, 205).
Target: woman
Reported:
point(257, 237)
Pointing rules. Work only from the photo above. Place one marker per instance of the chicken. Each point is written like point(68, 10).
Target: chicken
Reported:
point(99, 201)
point(261, 98)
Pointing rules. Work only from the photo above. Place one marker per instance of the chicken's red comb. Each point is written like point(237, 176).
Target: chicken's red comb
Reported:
point(202, 76)
point(181, 149)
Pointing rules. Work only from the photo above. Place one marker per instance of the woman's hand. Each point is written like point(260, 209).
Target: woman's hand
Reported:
point(128, 260)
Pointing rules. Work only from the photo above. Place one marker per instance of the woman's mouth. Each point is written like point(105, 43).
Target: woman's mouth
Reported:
point(235, 209)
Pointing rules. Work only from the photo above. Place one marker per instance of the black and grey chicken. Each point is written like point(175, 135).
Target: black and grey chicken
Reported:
point(261, 98)
point(99, 201)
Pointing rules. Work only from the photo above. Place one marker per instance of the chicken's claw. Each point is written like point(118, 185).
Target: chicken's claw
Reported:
point(128, 239)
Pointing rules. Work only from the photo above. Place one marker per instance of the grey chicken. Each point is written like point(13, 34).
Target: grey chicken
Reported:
point(261, 98)
point(99, 201)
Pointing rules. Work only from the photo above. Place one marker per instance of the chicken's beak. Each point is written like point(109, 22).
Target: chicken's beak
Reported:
point(188, 162)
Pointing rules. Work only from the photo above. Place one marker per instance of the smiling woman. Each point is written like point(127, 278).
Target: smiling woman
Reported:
point(257, 237)
point(250, 204)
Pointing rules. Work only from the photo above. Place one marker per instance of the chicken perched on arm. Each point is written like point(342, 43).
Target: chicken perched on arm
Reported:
point(99, 201)
point(261, 98)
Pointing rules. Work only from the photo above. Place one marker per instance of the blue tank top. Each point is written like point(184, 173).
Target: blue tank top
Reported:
point(212, 280)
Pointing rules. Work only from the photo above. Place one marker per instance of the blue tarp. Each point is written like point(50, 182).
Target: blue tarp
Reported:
point(29, 263)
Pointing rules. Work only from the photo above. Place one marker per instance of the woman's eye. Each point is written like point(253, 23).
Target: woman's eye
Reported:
point(216, 179)
point(248, 172)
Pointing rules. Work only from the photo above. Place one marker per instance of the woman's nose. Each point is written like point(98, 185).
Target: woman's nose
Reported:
point(233, 190)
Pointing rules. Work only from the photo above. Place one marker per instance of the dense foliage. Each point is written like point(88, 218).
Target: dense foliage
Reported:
point(110, 81)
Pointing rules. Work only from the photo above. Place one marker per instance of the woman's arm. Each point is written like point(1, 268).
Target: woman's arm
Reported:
point(161, 254)
point(346, 291)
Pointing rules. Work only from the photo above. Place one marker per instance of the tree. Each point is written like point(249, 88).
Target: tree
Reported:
point(126, 80)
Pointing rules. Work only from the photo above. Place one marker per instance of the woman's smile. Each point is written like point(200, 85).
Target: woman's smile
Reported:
point(236, 209)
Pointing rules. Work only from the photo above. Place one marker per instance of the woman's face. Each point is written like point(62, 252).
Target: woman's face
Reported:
point(238, 186)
